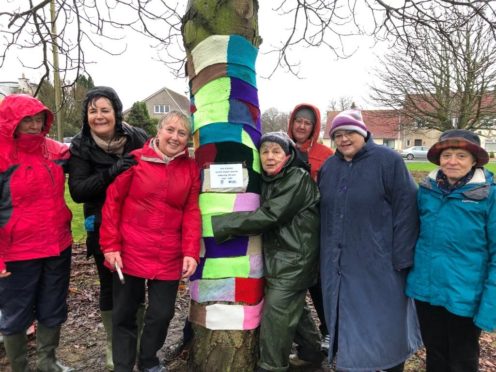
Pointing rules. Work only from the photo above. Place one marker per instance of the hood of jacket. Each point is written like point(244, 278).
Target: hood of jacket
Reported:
point(111, 95)
point(16, 107)
point(314, 137)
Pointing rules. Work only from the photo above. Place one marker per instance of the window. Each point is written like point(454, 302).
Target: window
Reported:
point(417, 142)
point(161, 109)
point(388, 143)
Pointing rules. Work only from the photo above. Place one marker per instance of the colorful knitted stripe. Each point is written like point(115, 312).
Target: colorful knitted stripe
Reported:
point(224, 89)
point(229, 317)
point(232, 110)
point(226, 130)
point(229, 132)
point(246, 290)
point(230, 49)
point(242, 246)
point(218, 203)
point(218, 70)
point(229, 267)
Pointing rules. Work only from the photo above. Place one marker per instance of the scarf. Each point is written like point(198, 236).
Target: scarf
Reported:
point(446, 187)
point(114, 146)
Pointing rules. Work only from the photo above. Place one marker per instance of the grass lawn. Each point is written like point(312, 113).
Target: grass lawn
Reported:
point(426, 166)
point(78, 232)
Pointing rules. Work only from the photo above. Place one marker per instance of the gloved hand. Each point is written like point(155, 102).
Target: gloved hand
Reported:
point(124, 163)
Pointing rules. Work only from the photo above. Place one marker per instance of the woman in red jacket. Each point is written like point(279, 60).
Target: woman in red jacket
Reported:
point(151, 230)
point(35, 232)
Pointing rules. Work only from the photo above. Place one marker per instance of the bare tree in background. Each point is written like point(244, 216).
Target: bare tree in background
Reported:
point(442, 81)
point(274, 120)
point(340, 103)
point(85, 26)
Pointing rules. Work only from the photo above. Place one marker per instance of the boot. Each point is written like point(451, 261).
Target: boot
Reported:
point(47, 340)
point(140, 323)
point(107, 324)
point(16, 349)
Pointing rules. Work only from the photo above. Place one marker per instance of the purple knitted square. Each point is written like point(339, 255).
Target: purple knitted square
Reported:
point(231, 248)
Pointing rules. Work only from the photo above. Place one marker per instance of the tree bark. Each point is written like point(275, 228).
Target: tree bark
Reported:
point(221, 349)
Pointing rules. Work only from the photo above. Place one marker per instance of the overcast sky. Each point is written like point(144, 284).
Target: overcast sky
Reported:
point(136, 74)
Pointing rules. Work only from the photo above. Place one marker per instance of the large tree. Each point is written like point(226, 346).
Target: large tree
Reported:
point(274, 120)
point(440, 81)
point(71, 109)
point(139, 116)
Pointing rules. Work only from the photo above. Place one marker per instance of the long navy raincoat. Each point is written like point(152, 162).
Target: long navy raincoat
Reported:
point(369, 225)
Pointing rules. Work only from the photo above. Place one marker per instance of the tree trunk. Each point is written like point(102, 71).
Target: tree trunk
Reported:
point(226, 129)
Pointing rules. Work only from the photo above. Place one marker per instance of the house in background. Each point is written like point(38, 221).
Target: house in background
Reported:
point(163, 101)
point(383, 124)
point(22, 85)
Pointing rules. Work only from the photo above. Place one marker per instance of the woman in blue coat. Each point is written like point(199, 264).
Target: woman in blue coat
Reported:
point(453, 280)
point(369, 226)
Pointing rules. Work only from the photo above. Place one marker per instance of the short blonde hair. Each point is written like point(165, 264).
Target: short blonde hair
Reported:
point(184, 119)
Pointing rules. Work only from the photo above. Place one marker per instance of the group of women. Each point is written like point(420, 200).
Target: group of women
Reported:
point(141, 214)
point(143, 227)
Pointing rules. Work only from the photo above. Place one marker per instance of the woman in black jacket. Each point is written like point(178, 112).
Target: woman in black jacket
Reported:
point(99, 153)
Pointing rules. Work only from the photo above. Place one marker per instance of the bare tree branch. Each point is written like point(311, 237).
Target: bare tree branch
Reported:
point(442, 82)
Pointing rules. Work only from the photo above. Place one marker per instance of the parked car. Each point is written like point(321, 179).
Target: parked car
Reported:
point(415, 152)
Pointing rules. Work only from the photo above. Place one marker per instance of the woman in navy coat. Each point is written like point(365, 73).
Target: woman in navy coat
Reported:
point(369, 225)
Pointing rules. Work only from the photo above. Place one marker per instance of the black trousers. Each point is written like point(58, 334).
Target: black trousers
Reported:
point(451, 341)
point(104, 274)
point(316, 295)
point(36, 289)
point(158, 314)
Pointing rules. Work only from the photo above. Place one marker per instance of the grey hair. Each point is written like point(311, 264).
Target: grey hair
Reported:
point(175, 114)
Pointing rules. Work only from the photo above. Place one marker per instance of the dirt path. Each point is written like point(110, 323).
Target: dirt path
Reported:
point(82, 344)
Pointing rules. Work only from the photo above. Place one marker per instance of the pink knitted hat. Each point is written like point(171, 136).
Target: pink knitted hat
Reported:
point(349, 120)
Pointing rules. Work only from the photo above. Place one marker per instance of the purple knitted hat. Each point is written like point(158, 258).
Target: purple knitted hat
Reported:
point(349, 120)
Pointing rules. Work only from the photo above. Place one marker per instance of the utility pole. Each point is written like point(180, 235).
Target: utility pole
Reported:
point(56, 76)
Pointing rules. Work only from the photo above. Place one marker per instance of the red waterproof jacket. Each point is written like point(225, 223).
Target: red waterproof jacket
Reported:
point(152, 217)
point(317, 152)
point(34, 219)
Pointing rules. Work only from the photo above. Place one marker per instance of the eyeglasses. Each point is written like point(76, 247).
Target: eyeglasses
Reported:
point(344, 134)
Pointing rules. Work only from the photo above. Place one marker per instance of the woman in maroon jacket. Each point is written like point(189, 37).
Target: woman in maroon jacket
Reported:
point(151, 229)
point(35, 232)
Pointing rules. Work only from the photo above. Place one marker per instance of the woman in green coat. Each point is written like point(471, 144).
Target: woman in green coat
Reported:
point(288, 220)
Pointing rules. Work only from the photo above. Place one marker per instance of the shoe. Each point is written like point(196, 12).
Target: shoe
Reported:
point(157, 368)
point(324, 345)
point(17, 351)
point(107, 325)
point(47, 341)
point(295, 361)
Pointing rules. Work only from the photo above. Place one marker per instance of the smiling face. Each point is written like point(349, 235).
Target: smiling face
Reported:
point(272, 156)
point(101, 117)
point(456, 163)
point(31, 124)
point(348, 142)
point(172, 136)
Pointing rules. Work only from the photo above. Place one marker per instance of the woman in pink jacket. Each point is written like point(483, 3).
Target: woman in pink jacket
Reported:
point(151, 230)
point(35, 232)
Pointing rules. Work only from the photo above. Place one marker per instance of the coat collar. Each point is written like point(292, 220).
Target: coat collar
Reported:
point(477, 188)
